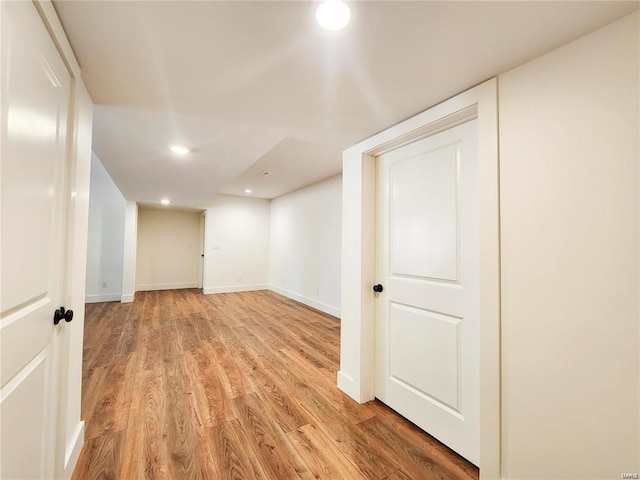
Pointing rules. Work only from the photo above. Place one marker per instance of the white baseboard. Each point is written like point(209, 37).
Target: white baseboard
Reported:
point(347, 384)
point(72, 452)
point(234, 288)
point(323, 307)
point(105, 297)
point(165, 286)
point(128, 298)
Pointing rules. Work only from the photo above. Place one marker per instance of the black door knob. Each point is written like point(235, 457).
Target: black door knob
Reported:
point(62, 314)
point(377, 288)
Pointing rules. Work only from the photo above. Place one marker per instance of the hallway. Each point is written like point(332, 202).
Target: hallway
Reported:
point(231, 386)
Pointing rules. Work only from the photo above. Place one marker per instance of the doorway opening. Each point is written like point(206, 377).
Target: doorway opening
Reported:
point(357, 375)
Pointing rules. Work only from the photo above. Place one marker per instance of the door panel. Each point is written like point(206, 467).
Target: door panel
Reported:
point(424, 353)
point(23, 403)
point(427, 326)
point(36, 91)
point(425, 245)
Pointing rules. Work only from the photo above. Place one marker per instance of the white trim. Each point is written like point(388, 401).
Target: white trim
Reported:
point(323, 307)
point(490, 302)
point(73, 450)
point(165, 286)
point(52, 22)
point(105, 297)
point(357, 338)
point(347, 384)
point(234, 288)
point(128, 298)
point(130, 251)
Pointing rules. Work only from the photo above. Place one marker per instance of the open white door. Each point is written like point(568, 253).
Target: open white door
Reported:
point(428, 309)
point(36, 97)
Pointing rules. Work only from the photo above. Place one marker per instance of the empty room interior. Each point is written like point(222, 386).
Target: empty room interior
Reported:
point(211, 267)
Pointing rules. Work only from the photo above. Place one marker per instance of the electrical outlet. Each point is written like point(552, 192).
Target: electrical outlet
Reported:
point(104, 284)
point(239, 277)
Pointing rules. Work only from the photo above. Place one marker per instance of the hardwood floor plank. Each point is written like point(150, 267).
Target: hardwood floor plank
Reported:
point(220, 407)
point(146, 450)
point(273, 454)
point(428, 460)
point(103, 458)
point(273, 392)
point(322, 456)
point(199, 398)
point(179, 385)
point(235, 461)
point(150, 340)
point(368, 454)
point(398, 475)
point(108, 416)
point(93, 383)
point(326, 385)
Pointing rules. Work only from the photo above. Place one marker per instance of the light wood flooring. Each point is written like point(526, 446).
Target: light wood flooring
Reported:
point(180, 385)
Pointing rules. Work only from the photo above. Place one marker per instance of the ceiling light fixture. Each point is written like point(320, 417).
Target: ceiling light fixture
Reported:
point(179, 149)
point(333, 14)
point(165, 201)
point(248, 190)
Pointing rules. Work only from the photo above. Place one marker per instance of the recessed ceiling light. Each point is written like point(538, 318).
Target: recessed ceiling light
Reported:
point(179, 149)
point(248, 190)
point(333, 14)
point(165, 201)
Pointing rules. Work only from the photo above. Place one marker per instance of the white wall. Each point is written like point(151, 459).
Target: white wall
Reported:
point(569, 194)
point(236, 244)
point(168, 252)
point(105, 244)
point(129, 257)
point(305, 245)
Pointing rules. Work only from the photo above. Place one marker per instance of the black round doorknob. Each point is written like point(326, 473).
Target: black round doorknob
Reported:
point(377, 288)
point(62, 314)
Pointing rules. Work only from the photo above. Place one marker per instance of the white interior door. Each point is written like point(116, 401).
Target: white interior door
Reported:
point(35, 101)
point(427, 327)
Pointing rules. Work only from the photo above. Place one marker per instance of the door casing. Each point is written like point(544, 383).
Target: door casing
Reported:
point(357, 342)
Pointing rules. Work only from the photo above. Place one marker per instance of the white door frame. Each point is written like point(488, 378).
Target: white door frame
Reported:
point(357, 338)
